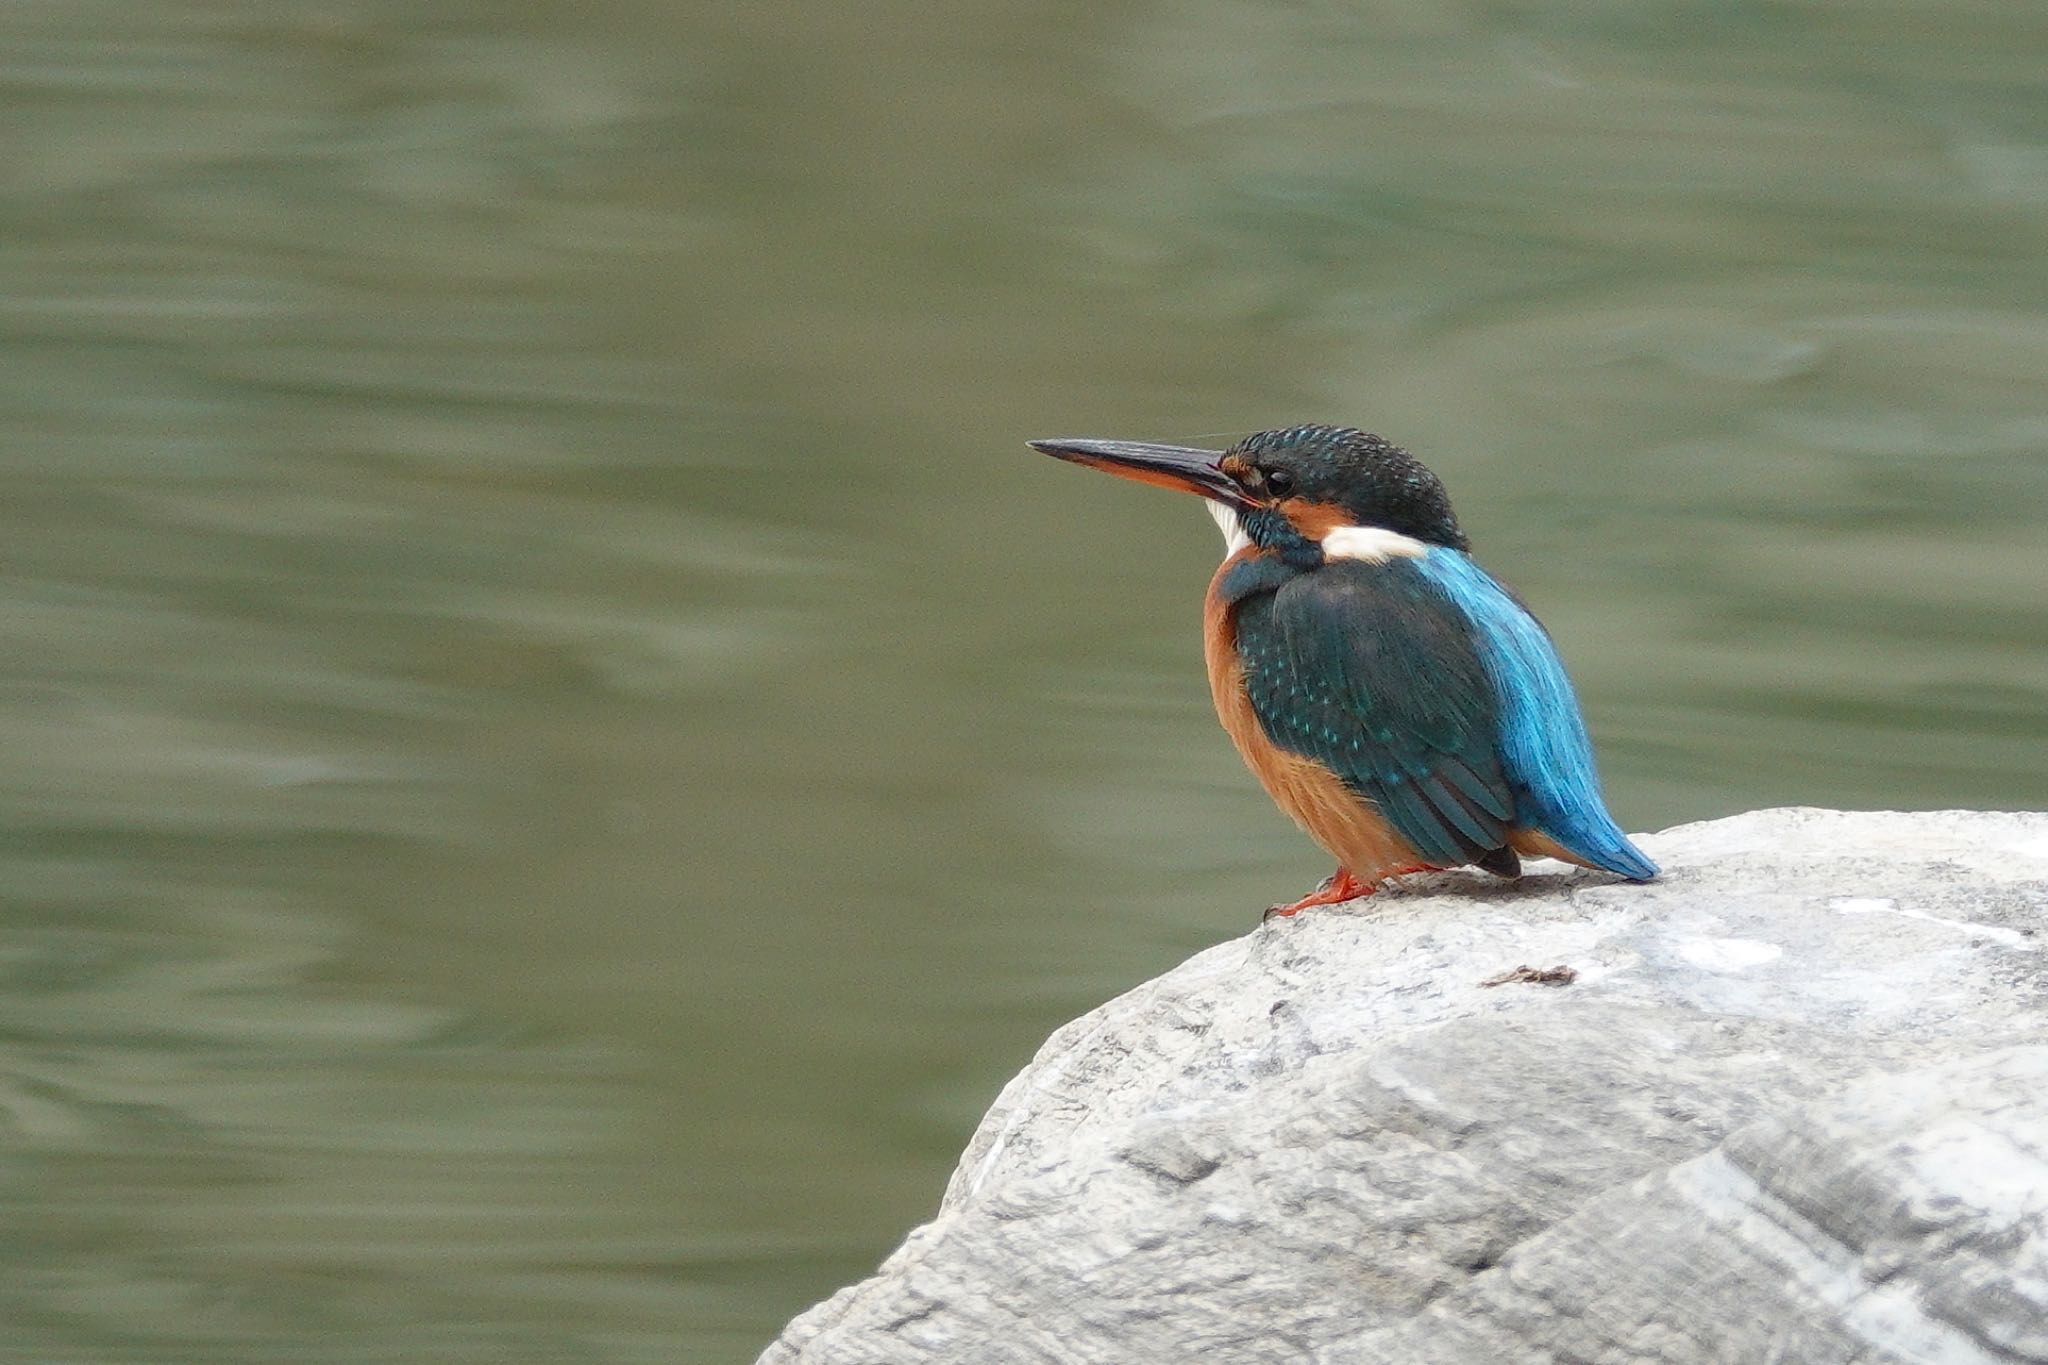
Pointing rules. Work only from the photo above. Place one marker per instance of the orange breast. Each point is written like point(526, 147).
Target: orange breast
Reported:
point(1346, 824)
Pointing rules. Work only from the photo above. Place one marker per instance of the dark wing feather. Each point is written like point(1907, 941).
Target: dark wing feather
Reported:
point(1372, 671)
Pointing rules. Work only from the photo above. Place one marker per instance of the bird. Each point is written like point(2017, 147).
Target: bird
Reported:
point(1392, 697)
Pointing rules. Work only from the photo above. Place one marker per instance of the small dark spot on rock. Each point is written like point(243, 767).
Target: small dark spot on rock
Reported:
point(924, 1309)
point(1525, 975)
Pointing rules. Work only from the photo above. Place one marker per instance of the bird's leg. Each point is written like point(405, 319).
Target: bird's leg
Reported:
point(1338, 886)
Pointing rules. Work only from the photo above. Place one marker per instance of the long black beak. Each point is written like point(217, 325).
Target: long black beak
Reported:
point(1189, 470)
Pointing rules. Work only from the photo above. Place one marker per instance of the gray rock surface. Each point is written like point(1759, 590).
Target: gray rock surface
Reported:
point(1793, 1108)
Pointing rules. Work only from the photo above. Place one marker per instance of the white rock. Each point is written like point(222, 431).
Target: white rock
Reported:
point(1793, 1108)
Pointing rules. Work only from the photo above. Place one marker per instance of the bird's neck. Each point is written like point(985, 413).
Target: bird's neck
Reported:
point(1252, 563)
point(1269, 532)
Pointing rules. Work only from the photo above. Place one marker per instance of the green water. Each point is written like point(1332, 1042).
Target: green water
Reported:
point(559, 747)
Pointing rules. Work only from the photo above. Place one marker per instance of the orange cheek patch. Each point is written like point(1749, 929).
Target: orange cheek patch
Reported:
point(1313, 519)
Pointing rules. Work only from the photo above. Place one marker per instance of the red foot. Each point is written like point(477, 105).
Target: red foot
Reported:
point(1340, 886)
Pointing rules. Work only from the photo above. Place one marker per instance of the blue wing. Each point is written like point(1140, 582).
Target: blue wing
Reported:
point(1372, 671)
point(1543, 746)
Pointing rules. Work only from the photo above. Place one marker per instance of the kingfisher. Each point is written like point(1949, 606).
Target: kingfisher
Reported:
point(1393, 698)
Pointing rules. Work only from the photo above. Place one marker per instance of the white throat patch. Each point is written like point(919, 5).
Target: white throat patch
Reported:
point(1373, 544)
point(1234, 538)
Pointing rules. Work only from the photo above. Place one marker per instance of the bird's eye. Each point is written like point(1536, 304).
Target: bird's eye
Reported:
point(1279, 481)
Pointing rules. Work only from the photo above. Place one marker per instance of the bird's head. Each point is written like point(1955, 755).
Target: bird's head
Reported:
point(1307, 492)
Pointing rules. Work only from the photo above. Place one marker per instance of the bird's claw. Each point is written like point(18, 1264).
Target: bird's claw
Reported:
point(1335, 889)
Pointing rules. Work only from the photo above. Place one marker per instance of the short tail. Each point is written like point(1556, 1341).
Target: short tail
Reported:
point(1625, 859)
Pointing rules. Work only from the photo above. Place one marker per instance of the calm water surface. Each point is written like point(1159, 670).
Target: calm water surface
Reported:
point(560, 748)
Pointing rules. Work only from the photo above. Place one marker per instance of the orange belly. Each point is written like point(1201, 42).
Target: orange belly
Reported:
point(1336, 817)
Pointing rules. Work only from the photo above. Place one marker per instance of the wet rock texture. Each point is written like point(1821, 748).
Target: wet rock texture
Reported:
point(1792, 1107)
